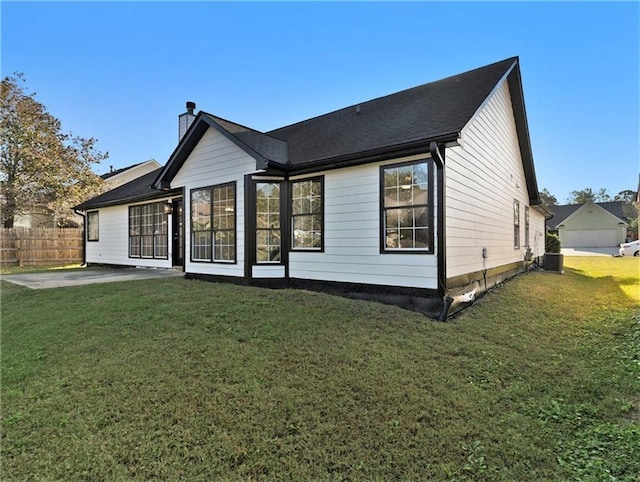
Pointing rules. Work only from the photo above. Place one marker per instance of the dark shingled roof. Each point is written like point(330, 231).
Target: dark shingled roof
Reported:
point(431, 111)
point(270, 148)
point(403, 123)
point(561, 213)
point(138, 189)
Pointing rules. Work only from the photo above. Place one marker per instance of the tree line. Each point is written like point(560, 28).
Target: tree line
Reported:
point(626, 197)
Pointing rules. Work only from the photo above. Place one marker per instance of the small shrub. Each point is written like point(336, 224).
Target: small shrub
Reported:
point(552, 243)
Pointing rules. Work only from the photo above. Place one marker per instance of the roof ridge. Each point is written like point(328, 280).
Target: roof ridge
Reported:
point(408, 89)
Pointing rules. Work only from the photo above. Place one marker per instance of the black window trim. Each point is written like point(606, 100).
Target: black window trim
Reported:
point(319, 178)
point(430, 210)
point(89, 215)
point(516, 224)
point(235, 225)
point(527, 227)
point(160, 204)
point(281, 183)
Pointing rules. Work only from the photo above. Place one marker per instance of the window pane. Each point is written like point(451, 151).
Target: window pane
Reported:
point(307, 214)
point(224, 246)
point(405, 209)
point(160, 248)
point(134, 246)
point(213, 224)
point(267, 222)
point(134, 220)
point(393, 218)
point(92, 226)
point(391, 196)
point(201, 246)
point(147, 246)
point(391, 178)
point(200, 209)
point(223, 207)
point(303, 232)
point(422, 238)
point(268, 245)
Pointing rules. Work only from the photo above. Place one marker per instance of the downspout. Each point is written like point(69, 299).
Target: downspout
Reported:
point(84, 236)
point(437, 154)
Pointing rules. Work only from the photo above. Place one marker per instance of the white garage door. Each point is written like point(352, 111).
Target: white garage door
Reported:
point(592, 238)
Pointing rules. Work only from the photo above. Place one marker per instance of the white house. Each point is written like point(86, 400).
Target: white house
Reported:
point(406, 198)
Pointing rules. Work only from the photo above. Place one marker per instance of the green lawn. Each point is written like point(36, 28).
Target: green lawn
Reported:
point(174, 379)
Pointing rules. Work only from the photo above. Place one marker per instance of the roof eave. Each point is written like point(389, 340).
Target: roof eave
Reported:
point(127, 200)
point(420, 146)
point(514, 80)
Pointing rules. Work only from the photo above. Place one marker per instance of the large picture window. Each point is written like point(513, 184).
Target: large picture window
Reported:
point(213, 223)
point(307, 214)
point(93, 226)
point(268, 234)
point(407, 216)
point(148, 232)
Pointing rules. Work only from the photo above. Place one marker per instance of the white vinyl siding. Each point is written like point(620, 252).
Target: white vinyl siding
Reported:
point(113, 246)
point(352, 237)
point(215, 160)
point(484, 176)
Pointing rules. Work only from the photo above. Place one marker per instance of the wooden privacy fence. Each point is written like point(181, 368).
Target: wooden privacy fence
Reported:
point(40, 246)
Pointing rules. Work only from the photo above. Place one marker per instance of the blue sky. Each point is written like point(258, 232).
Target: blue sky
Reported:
point(122, 71)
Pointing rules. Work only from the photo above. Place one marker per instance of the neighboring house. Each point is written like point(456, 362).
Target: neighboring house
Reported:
point(40, 217)
point(36, 216)
point(117, 177)
point(589, 225)
point(405, 198)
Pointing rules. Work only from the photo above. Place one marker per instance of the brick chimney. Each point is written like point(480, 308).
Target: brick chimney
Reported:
point(186, 119)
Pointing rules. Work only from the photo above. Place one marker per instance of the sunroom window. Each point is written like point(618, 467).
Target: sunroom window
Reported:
point(268, 237)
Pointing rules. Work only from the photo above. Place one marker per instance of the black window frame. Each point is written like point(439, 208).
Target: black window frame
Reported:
point(429, 207)
point(90, 216)
point(212, 230)
point(271, 231)
point(158, 209)
point(320, 180)
point(516, 224)
point(526, 226)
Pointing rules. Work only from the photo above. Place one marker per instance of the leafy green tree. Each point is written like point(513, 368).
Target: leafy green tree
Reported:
point(39, 164)
point(627, 198)
point(603, 196)
point(547, 199)
point(588, 194)
point(583, 196)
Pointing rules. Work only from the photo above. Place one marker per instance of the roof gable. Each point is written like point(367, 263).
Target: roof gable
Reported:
point(563, 213)
point(266, 150)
